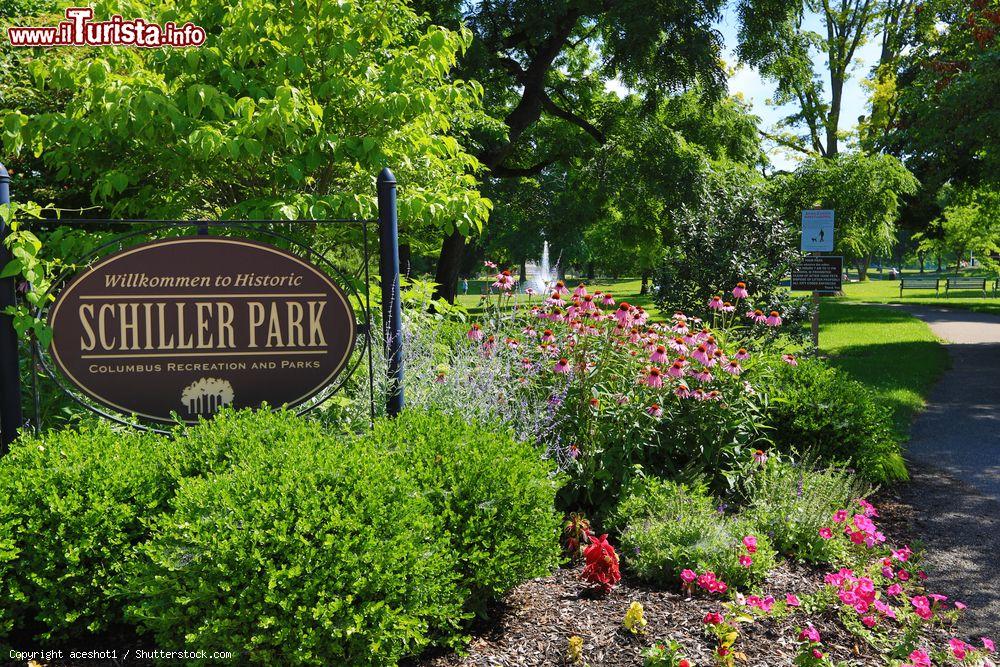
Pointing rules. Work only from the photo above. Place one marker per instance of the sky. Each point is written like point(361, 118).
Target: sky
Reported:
point(756, 91)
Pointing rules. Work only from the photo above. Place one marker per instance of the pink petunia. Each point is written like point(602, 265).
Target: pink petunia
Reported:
point(792, 600)
point(750, 542)
point(746, 561)
point(826, 533)
point(958, 648)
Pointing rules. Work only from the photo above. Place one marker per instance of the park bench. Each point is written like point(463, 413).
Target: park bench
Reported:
point(978, 284)
point(918, 283)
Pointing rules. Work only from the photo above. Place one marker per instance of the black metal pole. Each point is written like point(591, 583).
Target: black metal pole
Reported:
point(392, 311)
point(10, 372)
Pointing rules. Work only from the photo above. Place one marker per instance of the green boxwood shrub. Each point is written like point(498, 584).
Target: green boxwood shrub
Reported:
point(817, 409)
point(495, 494)
point(301, 555)
point(790, 503)
point(668, 527)
point(73, 507)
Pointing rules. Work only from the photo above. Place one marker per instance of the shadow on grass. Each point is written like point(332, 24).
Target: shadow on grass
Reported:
point(901, 374)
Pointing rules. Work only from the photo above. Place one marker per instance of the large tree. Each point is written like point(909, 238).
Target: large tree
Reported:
point(790, 57)
point(948, 126)
point(532, 56)
point(864, 190)
point(289, 110)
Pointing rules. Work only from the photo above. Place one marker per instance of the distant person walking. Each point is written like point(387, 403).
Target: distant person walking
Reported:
point(465, 286)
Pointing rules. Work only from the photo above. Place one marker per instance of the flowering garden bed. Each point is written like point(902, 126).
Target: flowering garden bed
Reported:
point(536, 621)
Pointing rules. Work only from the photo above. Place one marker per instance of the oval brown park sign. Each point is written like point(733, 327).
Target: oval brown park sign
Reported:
point(189, 325)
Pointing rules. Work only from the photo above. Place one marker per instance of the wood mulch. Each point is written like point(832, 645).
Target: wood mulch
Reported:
point(533, 623)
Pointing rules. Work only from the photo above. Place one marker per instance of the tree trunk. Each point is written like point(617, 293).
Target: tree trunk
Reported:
point(938, 258)
point(590, 271)
point(863, 263)
point(523, 277)
point(920, 258)
point(644, 287)
point(449, 264)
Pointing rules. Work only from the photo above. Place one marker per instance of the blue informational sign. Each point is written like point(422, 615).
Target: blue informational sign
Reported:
point(817, 230)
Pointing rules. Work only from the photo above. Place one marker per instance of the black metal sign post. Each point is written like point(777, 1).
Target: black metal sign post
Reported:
point(392, 311)
point(10, 374)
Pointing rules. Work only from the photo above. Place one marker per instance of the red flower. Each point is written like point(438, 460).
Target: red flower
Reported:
point(601, 563)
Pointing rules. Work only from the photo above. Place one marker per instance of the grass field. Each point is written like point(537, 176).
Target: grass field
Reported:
point(887, 291)
point(886, 349)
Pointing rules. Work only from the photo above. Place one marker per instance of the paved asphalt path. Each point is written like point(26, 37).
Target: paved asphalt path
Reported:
point(954, 455)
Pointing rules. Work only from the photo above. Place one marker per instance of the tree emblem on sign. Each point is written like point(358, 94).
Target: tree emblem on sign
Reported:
point(206, 396)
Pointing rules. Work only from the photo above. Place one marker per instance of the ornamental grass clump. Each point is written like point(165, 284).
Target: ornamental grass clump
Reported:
point(790, 502)
point(673, 533)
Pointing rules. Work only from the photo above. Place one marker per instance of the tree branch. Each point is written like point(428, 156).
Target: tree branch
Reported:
point(501, 171)
point(571, 117)
point(785, 142)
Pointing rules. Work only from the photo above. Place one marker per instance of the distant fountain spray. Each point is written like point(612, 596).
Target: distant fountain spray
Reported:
point(540, 275)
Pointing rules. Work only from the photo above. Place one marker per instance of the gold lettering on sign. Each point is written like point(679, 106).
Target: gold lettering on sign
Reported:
point(205, 324)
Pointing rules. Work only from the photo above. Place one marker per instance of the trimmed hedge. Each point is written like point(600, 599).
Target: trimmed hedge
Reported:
point(72, 509)
point(496, 495)
point(301, 556)
point(259, 532)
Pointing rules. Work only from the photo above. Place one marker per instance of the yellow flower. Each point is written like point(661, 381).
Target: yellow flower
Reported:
point(575, 651)
point(634, 621)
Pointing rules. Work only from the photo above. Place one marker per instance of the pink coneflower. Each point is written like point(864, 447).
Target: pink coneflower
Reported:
point(574, 451)
point(654, 377)
point(677, 369)
point(701, 355)
point(475, 333)
point(555, 300)
point(715, 303)
point(489, 265)
point(595, 403)
point(682, 390)
point(677, 345)
point(529, 331)
point(703, 376)
point(760, 456)
point(607, 299)
point(640, 316)
point(580, 291)
point(789, 359)
point(560, 288)
point(562, 366)
point(548, 336)
point(757, 316)
point(699, 394)
point(740, 291)
point(512, 343)
point(440, 378)
point(489, 344)
point(659, 355)
point(713, 395)
point(741, 354)
point(587, 303)
point(774, 319)
point(733, 367)
point(623, 314)
point(719, 357)
point(529, 291)
point(728, 307)
point(526, 363)
point(655, 410)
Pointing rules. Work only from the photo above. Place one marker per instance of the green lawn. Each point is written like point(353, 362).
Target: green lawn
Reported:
point(626, 289)
point(887, 291)
point(886, 349)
